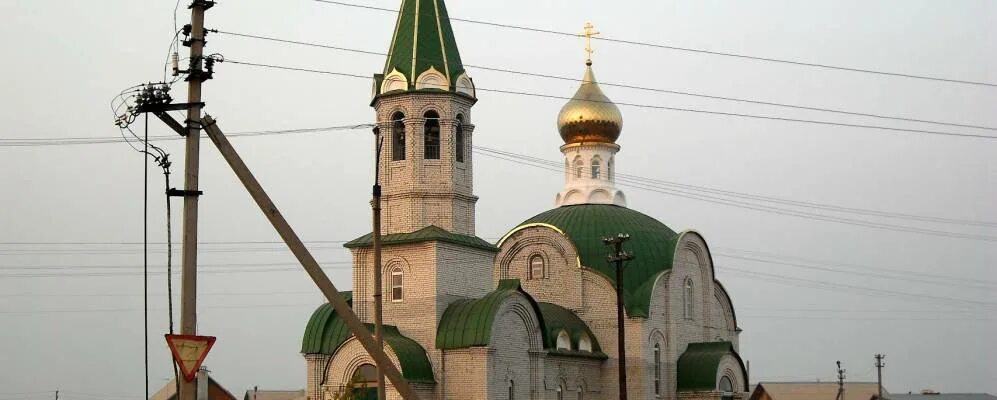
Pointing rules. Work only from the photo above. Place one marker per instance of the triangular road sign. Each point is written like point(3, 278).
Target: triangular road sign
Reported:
point(189, 352)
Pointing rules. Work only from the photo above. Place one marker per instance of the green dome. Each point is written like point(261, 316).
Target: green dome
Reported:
point(651, 242)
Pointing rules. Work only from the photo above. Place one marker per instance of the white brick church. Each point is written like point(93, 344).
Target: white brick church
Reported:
point(534, 315)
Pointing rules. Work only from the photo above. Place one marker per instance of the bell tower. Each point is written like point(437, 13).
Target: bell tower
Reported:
point(423, 101)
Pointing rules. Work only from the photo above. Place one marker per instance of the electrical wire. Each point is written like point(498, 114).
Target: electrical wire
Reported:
point(620, 85)
point(685, 49)
point(874, 128)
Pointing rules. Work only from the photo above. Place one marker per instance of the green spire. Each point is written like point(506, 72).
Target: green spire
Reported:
point(423, 39)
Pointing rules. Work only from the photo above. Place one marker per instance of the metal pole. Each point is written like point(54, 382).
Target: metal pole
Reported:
point(188, 286)
point(378, 285)
point(841, 382)
point(618, 258)
point(306, 259)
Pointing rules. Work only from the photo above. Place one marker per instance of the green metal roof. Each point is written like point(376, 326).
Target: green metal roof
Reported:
point(651, 242)
point(468, 323)
point(557, 318)
point(423, 38)
point(325, 332)
point(697, 367)
point(427, 234)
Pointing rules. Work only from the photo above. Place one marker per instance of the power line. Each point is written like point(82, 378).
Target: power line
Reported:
point(620, 85)
point(885, 129)
point(686, 49)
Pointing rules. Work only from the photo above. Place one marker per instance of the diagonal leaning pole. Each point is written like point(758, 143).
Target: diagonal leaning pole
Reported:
point(305, 258)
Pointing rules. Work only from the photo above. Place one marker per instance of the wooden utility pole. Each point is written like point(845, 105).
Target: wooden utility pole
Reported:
point(306, 259)
point(188, 286)
point(879, 373)
point(378, 278)
point(617, 258)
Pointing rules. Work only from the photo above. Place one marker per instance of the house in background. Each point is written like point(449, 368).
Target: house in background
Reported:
point(814, 391)
point(257, 394)
point(215, 391)
point(932, 395)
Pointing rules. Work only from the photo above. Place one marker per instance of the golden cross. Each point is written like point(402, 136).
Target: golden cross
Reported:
point(589, 33)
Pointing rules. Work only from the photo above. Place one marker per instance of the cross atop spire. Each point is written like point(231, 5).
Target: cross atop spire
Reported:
point(589, 33)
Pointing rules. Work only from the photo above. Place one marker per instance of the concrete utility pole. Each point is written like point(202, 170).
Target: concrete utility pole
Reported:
point(378, 285)
point(617, 258)
point(306, 259)
point(841, 382)
point(188, 286)
point(879, 373)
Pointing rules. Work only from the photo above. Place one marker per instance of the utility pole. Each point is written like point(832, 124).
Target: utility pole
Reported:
point(841, 382)
point(56, 395)
point(879, 373)
point(617, 258)
point(196, 76)
point(378, 286)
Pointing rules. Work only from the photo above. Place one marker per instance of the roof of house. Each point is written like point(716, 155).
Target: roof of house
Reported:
point(815, 390)
point(943, 396)
point(427, 234)
point(169, 391)
point(698, 365)
point(586, 225)
point(252, 394)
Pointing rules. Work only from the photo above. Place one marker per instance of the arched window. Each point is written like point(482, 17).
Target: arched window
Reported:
point(687, 299)
point(585, 343)
point(512, 389)
point(596, 168)
point(432, 136)
point(397, 284)
point(459, 139)
point(398, 137)
point(365, 377)
point(560, 392)
point(579, 164)
point(537, 267)
point(726, 388)
point(581, 393)
point(563, 341)
point(610, 169)
point(657, 369)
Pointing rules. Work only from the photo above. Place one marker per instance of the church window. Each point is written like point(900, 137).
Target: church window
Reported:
point(459, 140)
point(398, 137)
point(432, 136)
point(560, 393)
point(726, 388)
point(537, 267)
point(396, 285)
point(579, 164)
point(687, 299)
point(610, 170)
point(596, 168)
point(563, 341)
point(585, 343)
point(365, 377)
point(581, 393)
point(657, 369)
point(512, 389)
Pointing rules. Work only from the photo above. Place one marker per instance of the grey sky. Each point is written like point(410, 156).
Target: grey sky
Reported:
point(66, 59)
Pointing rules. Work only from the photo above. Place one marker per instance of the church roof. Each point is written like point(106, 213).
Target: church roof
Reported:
point(325, 332)
point(427, 234)
point(556, 318)
point(698, 365)
point(424, 40)
point(468, 323)
point(651, 242)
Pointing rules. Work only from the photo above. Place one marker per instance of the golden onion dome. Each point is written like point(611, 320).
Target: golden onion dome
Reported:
point(589, 116)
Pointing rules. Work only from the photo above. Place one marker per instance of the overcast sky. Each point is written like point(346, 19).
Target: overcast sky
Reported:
point(66, 324)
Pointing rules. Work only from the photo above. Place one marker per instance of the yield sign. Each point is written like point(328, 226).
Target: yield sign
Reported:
point(189, 352)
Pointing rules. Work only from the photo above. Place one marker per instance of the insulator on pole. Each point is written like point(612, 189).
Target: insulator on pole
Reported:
point(175, 62)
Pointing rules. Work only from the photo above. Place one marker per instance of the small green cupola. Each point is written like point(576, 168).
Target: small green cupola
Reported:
point(423, 55)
